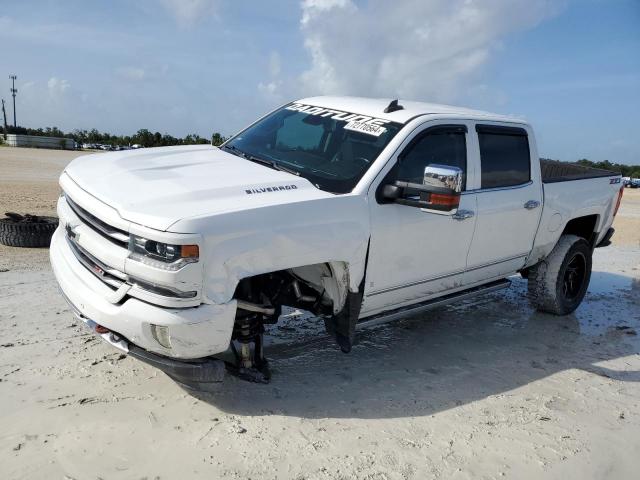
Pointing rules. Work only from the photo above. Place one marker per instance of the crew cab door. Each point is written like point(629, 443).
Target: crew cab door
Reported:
point(416, 253)
point(509, 202)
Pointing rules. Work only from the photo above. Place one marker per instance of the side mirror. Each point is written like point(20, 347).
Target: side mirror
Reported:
point(391, 192)
point(439, 191)
point(443, 176)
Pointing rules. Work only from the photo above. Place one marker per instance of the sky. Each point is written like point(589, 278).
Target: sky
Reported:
point(570, 67)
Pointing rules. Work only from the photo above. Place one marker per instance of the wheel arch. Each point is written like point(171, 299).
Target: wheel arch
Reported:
point(330, 279)
point(584, 226)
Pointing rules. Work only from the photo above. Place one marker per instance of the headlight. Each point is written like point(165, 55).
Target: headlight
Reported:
point(162, 255)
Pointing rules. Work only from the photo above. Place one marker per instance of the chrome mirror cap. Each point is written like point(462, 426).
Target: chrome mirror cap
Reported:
point(443, 176)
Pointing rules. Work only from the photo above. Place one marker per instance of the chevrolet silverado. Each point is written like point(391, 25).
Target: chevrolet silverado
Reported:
point(357, 210)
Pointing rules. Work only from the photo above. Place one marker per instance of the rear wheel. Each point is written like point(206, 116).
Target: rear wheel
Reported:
point(559, 282)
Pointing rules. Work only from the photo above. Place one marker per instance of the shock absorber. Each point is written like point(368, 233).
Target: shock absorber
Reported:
point(248, 332)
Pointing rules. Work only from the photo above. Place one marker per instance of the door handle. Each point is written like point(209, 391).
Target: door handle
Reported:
point(462, 215)
point(531, 204)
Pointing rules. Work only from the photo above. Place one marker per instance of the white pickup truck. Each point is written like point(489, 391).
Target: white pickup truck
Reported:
point(357, 210)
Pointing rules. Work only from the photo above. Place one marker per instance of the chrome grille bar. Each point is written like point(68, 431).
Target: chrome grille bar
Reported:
point(115, 279)
point(111, 233)
point(111, 277)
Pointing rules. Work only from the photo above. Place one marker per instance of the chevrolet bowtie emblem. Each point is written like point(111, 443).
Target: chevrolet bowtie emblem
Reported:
point(70, 231)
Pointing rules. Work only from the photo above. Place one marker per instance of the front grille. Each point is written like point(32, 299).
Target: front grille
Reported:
point(113, 234)
point(109, 276)
point(114, 279)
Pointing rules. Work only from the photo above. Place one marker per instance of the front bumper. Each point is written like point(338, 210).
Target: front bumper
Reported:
point(193, 332)
point(188, 372)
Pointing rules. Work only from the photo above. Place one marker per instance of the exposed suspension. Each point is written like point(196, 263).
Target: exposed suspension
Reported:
point(259, 302)
point(247, 345)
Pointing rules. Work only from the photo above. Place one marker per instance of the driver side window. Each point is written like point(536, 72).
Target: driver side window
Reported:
point(444, 145)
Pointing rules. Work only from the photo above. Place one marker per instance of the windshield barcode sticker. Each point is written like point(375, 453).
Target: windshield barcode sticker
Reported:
point(364, 127)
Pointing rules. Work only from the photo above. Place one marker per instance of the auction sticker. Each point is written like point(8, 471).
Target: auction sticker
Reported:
point(368, 128)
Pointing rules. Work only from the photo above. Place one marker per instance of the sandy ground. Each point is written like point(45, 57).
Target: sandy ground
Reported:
point(29, 184)
point(483, 389)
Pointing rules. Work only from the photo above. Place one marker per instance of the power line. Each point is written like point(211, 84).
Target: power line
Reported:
point(13, 93)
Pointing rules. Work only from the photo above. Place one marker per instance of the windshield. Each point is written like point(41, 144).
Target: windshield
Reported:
point(330, 148)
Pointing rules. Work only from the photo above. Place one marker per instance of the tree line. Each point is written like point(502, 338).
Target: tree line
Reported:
point(142, 137)
point(632, 171)
point(147, 138)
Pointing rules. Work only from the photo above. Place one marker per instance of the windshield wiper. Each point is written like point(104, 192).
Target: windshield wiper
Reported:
point(234, 150)
point(269, 163)
point(282, 168)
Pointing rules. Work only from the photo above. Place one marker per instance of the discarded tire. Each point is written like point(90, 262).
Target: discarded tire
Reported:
point(27, 230)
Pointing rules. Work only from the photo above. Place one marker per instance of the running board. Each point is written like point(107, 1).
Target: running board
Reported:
point(391, 315)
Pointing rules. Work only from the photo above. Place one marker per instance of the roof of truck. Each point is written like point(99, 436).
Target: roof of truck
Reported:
point(374, 107)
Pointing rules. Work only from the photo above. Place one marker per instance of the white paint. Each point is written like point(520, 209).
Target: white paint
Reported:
point(554, 222)
point(248, 219)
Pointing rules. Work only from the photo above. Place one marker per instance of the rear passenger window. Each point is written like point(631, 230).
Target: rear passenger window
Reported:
point(504, 156)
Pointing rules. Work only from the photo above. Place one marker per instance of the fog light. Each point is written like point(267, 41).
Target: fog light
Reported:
point(161, 335)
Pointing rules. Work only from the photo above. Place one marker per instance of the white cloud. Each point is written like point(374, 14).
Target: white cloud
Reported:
point(28, 85)
point(430, 49)
point(275, 64)
point(131, 73)
point(58, 88)
point(52, 102)
point(313, 8)
point(271, 90)
point(188, 12)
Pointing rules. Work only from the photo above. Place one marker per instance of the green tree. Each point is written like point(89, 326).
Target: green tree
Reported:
point(217, 139)
point(142, 137)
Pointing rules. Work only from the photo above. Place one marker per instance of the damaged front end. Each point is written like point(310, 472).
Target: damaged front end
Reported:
point(322, 289)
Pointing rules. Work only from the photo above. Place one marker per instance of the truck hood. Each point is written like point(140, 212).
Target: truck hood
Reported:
point(156, 187)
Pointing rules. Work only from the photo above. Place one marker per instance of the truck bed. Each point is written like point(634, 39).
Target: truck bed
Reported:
point(556, 171)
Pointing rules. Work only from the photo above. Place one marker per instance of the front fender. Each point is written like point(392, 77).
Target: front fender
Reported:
point(246, 243)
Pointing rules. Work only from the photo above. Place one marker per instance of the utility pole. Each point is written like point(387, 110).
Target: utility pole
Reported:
point(4, 114)
point(13, 92)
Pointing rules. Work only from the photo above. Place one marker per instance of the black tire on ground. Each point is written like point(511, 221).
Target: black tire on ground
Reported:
point(27, 234)
point(558, 283)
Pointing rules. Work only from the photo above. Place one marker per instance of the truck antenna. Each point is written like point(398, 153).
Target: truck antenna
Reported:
point(393, 106)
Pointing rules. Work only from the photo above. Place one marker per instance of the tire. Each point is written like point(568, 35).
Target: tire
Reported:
point(33, 233)
point(558, 283)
